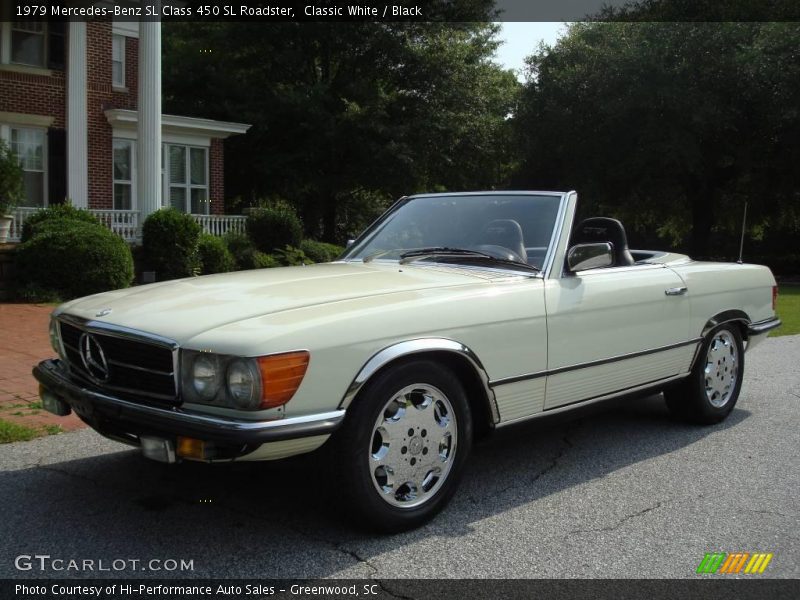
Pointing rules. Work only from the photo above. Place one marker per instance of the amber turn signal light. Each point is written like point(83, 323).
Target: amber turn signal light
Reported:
point(191, 448)
point(281, 375)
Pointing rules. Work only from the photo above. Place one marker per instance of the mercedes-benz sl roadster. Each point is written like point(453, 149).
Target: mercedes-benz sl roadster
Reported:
point(450, 316)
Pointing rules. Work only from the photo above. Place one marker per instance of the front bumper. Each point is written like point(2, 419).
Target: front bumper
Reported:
point(127, 421)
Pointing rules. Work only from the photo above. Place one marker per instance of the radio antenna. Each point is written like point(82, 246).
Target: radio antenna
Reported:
point(741, 240)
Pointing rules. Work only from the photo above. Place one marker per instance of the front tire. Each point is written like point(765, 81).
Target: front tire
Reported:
point(710, 392)
point(403, 447)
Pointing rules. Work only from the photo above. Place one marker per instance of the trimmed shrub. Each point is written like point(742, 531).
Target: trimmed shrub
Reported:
point(320, 251)
point(74, 259)
point(264, 261)
point(170, 240)
point(292, 257)
point(57, 213)
point(241, 248)
point(274, 227)
point(214, 255)
point(11, 180)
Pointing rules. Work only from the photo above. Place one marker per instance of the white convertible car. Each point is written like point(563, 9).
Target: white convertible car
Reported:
point(450, 316)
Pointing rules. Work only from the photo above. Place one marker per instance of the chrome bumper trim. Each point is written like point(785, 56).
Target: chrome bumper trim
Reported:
point(763, 326)
point(96, 408)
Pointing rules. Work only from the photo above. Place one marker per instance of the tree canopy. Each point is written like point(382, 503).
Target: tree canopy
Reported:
point(670, 126)
point(347, 116)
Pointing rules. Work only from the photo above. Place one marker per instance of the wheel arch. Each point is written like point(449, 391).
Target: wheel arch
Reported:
point(735, 316)
point(739, 317)
point(455, 355)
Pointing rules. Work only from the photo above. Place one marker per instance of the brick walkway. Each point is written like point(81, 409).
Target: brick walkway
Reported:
point(24, 341)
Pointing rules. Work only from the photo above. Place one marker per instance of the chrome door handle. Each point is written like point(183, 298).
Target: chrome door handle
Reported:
point(676, 291)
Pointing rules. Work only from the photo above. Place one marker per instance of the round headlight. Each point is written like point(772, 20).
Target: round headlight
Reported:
point(244, 384)
point(204, 377)
point(54, 342)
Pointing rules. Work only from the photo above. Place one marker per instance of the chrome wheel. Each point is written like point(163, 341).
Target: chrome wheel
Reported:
point(722, 367)
point(413, 445)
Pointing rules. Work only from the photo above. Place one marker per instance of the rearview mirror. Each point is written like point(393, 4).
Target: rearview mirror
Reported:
point(349, 244)
point(582, 257)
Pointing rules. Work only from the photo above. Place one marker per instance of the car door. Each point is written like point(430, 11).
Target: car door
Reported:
point(614, 329)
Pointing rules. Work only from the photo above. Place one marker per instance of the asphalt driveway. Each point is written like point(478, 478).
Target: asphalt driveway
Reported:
point(621, 491)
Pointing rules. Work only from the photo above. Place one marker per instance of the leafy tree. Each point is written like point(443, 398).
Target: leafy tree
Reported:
point(671, 126)
point(342, 112)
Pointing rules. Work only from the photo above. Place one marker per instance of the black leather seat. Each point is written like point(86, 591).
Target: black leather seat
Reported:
point(604, 229)
point(506, 233)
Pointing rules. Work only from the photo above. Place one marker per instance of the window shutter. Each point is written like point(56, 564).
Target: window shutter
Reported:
point(56, 165)
point(55, 45)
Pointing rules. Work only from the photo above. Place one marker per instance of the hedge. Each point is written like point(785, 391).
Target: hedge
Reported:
point(274, 227)
point(214, 255)
point(71, 258)
point(170, 242)
point(320, 251)
point(58, 213)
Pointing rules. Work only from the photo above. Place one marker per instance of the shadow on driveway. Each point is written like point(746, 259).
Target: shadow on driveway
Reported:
point(280, 519)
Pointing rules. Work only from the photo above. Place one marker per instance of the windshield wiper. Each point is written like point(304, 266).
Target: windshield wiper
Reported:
point(378, 254)
point(461, 253)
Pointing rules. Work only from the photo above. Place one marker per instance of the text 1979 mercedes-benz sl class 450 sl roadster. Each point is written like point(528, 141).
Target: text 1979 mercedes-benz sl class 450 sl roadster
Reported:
point(451, 315)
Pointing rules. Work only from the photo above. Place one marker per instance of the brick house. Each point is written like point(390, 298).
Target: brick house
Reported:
point(80, 104)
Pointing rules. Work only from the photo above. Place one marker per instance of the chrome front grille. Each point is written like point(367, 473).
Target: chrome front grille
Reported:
point(132, 364)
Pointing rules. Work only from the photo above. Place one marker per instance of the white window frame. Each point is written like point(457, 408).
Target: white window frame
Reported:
point(5, 135)
point(118, 44)
point(132, 183)
point(188, 186)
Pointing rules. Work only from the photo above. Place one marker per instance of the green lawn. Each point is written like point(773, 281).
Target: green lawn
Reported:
point(788, 310)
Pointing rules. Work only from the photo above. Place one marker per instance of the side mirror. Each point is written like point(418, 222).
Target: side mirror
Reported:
point(582, 257)
point(349, 244)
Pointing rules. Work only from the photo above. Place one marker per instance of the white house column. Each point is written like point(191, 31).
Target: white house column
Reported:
point(77, 127)
point(148, 193)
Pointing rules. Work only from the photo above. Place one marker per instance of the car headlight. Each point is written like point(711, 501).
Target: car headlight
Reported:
point(244, 384)
point(205, 376)
point(55, 341)
point(258, 383)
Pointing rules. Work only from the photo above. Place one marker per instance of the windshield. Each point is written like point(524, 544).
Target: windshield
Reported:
point(512, 228)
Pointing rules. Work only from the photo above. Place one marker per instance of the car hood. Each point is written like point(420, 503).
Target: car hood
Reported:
point(183, 308)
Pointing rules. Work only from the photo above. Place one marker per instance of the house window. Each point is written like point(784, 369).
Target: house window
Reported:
point(28, 43)
point(28, 144)
point(187, 169)
point(123, 174)
point(118, 61)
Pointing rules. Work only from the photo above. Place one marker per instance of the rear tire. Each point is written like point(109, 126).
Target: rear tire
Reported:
point(710, 392)
point(402, 449)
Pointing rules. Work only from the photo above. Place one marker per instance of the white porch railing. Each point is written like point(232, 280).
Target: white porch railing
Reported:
point(221, 224)
point(125, 223)
point(19, 214)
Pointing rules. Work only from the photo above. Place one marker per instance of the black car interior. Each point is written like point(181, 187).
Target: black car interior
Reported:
point(604, 229)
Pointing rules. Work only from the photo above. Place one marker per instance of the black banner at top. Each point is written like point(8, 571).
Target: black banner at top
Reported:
point(406, 10)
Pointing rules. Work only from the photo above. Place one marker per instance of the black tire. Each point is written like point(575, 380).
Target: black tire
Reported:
point(356, 445)
point(689, 400)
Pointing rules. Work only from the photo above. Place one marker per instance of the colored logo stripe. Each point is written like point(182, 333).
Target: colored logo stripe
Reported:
point(758, 563)
point(723, 562)
point(711, 562)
